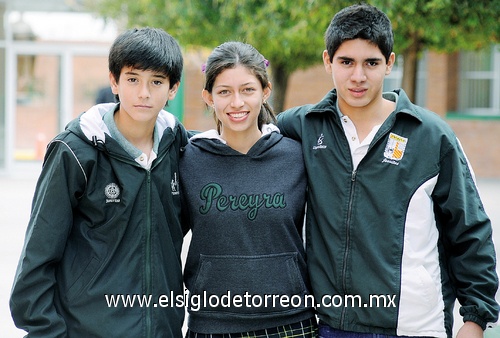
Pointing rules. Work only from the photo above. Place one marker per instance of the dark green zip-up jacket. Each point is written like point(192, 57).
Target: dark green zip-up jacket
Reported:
point(101, 225)
point(392, 244)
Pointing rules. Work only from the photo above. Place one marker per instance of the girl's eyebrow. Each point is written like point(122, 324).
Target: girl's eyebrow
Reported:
point(242, 85)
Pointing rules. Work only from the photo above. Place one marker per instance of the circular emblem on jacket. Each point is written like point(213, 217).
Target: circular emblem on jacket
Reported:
point(112, 191)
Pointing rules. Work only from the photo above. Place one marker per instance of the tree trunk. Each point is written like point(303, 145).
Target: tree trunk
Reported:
point(410, 68)
point(280, 84)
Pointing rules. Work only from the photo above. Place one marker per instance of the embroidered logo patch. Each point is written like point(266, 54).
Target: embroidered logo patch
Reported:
point(112, 192)
point(394, 149)
point(319, 143)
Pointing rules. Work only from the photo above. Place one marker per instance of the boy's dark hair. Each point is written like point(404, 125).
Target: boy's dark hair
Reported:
point(360, 21)
point(232, 54)
point(146, 49)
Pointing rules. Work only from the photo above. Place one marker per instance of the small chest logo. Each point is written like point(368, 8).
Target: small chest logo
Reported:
point(174, 184)
point(319, 142)
point(112, 192)
point(394, 149)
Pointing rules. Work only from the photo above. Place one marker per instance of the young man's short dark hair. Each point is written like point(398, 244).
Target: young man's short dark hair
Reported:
point(360, 22)
point(146, 49)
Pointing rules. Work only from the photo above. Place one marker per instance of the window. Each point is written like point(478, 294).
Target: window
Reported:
point(479, 82)
point(394, 79)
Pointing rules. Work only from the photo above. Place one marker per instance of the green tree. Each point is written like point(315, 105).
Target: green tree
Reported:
point(289, 33)
point(439, 25)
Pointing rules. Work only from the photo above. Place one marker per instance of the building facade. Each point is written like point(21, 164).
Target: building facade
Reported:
point(45, 84)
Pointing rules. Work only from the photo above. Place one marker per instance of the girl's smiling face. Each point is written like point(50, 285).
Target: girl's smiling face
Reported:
point(237, 97)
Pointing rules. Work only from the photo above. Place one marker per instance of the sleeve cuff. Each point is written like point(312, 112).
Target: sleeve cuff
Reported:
point(470, 317)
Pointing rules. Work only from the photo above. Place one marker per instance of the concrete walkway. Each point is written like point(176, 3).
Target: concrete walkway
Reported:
point(16, 192)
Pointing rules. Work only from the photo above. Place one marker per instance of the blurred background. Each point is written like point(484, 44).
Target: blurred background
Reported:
point(53, 66)
point(53, 60)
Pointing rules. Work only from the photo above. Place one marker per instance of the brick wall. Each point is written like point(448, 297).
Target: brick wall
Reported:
point(480, 138)
point(481, 142)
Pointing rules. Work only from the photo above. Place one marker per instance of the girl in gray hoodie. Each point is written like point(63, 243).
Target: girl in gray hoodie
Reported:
point(243, 188)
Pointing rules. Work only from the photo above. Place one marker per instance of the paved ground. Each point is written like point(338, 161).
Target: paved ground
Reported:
point(16, 190)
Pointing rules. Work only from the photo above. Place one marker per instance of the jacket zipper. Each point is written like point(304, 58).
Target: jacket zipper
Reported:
point(347, 248)
point(148, 277)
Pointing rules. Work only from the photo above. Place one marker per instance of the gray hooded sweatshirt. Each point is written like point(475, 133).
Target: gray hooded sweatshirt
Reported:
point(246, 267)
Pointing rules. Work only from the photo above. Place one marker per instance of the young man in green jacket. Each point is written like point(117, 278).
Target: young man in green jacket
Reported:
point(396, 228)
point(104, 238)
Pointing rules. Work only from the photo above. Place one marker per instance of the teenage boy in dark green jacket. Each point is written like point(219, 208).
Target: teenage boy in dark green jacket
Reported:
point(105, 215)
point(396, 228)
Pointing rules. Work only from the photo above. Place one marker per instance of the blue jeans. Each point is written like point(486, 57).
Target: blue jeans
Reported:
point(325, 331)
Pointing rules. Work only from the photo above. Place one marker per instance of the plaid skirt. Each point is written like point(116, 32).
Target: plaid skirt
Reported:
point(305, 329)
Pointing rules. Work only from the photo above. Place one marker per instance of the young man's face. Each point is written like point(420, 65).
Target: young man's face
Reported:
point(143, 93)
point(358, 70)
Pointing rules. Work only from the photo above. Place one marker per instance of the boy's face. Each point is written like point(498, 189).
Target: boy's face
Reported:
point(143, 93)
point(358, 70)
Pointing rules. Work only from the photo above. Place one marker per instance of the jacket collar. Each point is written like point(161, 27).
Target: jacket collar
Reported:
point(328, 104)
point(91, 123)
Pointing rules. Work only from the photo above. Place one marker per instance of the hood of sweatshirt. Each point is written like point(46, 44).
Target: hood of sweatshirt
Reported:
point(212, 142)
point(90, 125)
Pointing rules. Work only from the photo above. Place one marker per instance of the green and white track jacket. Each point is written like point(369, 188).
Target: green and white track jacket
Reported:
point(392, 244)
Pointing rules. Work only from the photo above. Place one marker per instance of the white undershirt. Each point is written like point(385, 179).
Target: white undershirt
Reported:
point(145, 161)
point(358, 149)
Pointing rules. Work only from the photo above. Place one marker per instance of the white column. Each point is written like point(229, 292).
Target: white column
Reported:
point(66, 90)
